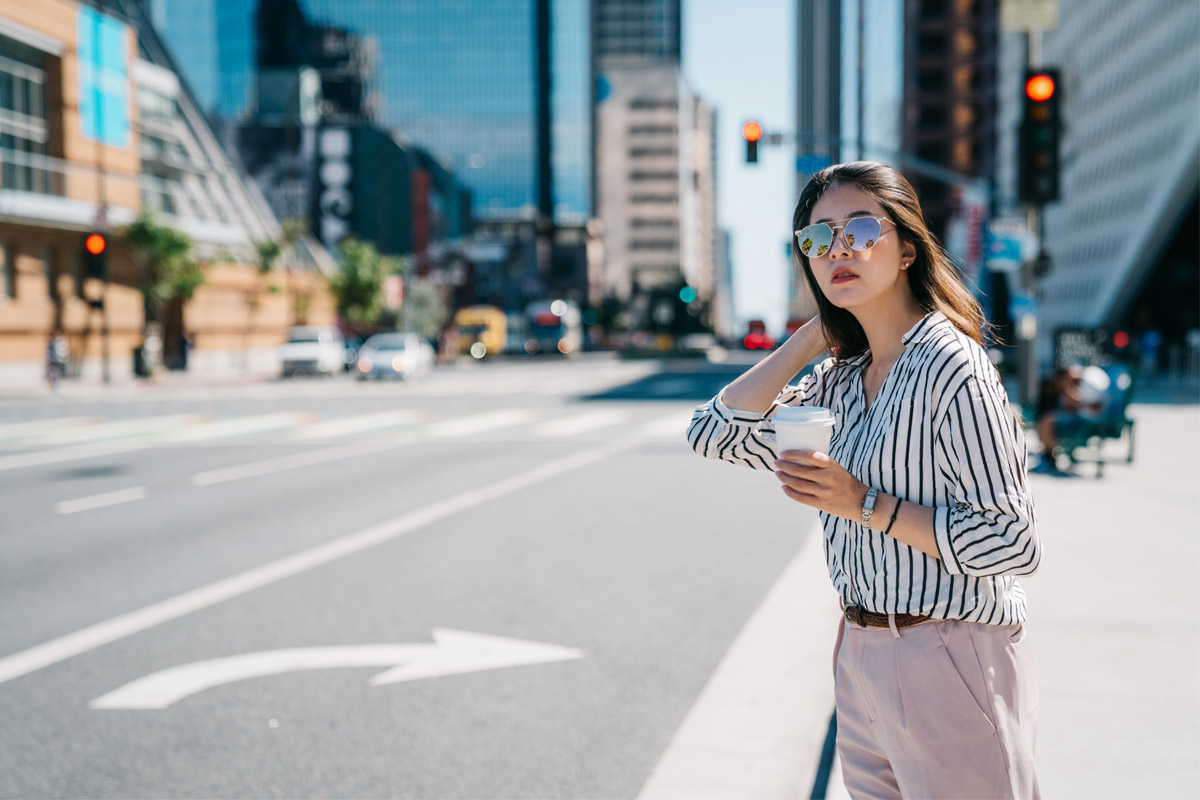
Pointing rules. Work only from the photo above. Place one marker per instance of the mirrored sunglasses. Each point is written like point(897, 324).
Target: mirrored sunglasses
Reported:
point(860, 233)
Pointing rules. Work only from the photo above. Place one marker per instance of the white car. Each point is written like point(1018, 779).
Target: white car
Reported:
point(313, 350)
point(394, 355)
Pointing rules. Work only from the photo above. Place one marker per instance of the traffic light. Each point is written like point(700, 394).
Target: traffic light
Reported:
point(95, 255)
point(1040, 131)
point(753, 132)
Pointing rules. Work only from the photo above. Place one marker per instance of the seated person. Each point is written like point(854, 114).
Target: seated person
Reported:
point(1067, 402)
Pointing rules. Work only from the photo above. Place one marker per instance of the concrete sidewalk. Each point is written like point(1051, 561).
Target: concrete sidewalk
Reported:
point(1114, 625)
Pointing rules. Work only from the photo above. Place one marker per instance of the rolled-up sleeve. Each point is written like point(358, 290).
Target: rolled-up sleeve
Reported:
point(748, 437)
point(984, 525)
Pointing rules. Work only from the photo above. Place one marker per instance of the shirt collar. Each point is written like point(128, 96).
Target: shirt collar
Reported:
point(916, 334)
point(922, 330)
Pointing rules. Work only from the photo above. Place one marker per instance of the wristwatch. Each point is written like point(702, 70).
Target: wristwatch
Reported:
point(868, 506)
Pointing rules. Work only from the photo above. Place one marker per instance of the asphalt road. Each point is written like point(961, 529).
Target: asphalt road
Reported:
point(546, 502)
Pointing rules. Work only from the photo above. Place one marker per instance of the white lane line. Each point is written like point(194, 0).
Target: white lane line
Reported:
point(239, 426)
point(481, 423)
point(580, 423)
point(360, 423)
point(118, 429)
point(101, 500)
point(758, 727)
point(81, 641)
point(61, 454)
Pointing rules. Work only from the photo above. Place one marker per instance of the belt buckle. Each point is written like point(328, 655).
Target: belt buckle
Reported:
point(854, 614)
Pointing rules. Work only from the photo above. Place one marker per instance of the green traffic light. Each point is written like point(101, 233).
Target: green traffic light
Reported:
point(687, 294)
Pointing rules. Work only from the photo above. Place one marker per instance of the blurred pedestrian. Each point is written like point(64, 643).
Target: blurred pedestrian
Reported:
point(923, 496)
point(58, 352)
point(1069, 402)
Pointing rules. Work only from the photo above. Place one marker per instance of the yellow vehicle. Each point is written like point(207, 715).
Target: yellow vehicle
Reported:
point(482, 330)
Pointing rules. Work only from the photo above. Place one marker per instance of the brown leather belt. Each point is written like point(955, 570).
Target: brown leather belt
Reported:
point(869, 619)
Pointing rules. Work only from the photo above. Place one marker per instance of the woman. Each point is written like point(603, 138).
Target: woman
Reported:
point(923, 496)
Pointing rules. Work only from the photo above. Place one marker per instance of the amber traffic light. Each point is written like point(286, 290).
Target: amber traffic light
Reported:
point(95, 255)
point(1041, 126)
point(752, 132)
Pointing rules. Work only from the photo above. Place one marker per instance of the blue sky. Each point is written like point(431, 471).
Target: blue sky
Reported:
point(739, 58)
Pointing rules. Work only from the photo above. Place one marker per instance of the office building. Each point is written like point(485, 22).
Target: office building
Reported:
point(655, 161)
point(950, 77)
point(97, 129)
point(457, 80)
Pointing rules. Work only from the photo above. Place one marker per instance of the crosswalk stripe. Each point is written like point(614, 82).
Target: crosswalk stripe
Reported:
point(580, 423)
point(670, 427)
point(481, 423)
point(239, 426)
point(118, 429)
point(361, 423)
point(20, 430)
point(58, 455)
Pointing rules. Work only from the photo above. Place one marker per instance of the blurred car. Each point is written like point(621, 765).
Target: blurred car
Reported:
point(394, 355)
point(313, 350)
point(350, 355)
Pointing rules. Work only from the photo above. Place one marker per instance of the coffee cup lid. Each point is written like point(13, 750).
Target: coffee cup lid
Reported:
point(803, 415)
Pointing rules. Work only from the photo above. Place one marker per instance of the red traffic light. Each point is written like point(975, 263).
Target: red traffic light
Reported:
point(1039, 87)
point(1120, 340)
point(752, 131)
point(95, 244)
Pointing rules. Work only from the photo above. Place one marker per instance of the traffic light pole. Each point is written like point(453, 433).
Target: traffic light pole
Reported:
point(1028, 378)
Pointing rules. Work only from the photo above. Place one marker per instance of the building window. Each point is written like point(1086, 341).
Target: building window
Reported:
point(8, 271)
point(636, 129)
point(648, 152)
point(654, 244)
point(24, 127)
point(641, 222)
point(75, 264)
point(646, 175)
point(48, 262)
point(654, 198)
point(646, 104)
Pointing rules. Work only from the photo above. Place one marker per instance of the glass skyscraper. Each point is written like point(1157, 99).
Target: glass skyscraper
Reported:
point(456, 78)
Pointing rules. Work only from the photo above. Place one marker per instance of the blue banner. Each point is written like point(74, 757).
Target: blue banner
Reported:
point(103, 78)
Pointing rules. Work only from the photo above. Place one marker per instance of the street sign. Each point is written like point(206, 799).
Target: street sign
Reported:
point(1028, 15)
point(1005, 244)
point(453, 653)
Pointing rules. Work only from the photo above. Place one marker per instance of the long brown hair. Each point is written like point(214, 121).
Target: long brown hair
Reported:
point(935, 282)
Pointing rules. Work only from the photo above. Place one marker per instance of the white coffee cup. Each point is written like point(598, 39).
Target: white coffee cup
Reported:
point(803, 428)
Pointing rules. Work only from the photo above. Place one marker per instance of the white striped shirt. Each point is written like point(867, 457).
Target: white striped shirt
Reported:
point(939, 433)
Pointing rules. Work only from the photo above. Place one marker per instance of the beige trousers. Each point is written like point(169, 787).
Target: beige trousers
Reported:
point(943, 709)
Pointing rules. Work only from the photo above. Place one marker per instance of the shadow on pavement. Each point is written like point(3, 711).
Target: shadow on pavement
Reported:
point(693, 379)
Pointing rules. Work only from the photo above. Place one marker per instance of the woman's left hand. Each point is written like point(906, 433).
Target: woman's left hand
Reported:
point(816, 480)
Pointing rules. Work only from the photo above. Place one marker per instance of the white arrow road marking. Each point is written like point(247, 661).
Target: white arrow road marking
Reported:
point(101, 500)
point(454, 653)
point(133, 622)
